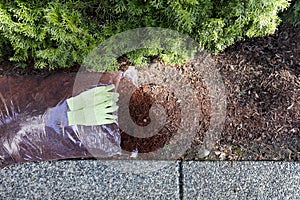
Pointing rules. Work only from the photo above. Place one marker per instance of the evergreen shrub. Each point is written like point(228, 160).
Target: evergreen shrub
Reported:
point(55, 33)
point(292, 14)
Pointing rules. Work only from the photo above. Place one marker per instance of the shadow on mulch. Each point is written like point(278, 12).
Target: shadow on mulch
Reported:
point(262, 79)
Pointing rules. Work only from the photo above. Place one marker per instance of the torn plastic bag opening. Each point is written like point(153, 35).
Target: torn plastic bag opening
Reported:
point(34, 124)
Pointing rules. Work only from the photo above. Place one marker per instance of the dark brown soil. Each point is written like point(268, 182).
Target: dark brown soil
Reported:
point(139, 107)
point(262, 79)
point(148, 95)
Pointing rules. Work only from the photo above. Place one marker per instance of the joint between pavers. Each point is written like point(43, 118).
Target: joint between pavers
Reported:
point(180, 180)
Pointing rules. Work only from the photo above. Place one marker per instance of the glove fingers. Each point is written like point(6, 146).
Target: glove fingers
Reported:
point(110, 109)
point(93, 107)
point(92, 97)
point(103, 105)
point(98, 90)
point(107, 88)
point(100, 111)
point(111, 96)
point(107, 117)
point(96, 119)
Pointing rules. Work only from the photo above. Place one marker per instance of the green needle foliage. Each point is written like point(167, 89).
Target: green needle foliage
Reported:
point(292, 15)
point(55, 33)
point(49, 32)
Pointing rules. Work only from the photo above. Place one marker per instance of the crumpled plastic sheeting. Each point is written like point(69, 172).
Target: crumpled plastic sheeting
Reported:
point(34, 125)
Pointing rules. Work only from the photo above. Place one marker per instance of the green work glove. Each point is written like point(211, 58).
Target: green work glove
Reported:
point(93, 107)
point(91, 97)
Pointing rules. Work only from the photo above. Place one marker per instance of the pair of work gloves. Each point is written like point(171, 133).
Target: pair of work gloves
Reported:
point(93, 107)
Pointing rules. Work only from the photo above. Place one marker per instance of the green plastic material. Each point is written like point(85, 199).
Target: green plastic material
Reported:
point(93, 107)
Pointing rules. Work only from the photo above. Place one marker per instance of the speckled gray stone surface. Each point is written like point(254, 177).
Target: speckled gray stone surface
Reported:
point(241, 180)
point(94, 179)
point(88, 179)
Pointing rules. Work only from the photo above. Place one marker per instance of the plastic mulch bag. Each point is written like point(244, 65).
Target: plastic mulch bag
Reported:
point(34, 123)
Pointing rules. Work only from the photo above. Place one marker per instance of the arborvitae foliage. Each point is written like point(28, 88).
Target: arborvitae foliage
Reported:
point(292, 15)
point(49, 32)
point(57, 33)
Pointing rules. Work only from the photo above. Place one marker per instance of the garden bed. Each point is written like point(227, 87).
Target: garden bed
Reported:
point(262, 79)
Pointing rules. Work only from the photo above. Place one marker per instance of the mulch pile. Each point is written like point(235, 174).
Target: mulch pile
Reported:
point(262, 78)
